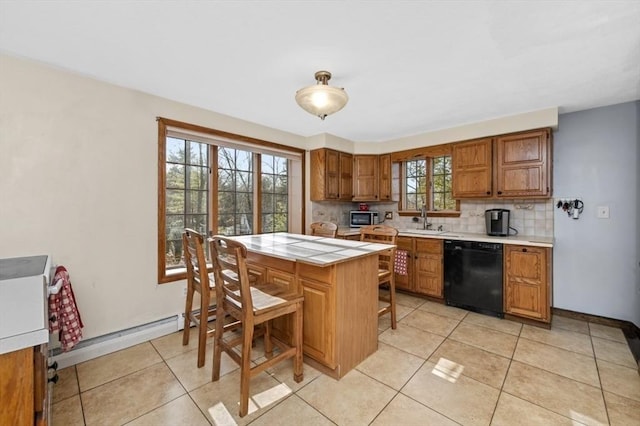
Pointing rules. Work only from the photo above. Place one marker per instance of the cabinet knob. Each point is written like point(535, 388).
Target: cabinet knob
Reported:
point(53, 379)
point(499, 192)
point(53, 366)
point(488, 192)
point(524, 250)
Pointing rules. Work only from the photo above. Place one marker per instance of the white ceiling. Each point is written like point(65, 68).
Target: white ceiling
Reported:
point(408, 66)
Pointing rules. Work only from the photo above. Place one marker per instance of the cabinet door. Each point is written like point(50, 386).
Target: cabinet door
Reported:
point(405, 282)
point(283, 326)
point(384, 171)
point(472, 169)
point(523, 165)
point(319, 329)
point(365, 175)
point(332, 175)
point(527, 281)
point(346, 177)
point(17, 387)
point(428, 267)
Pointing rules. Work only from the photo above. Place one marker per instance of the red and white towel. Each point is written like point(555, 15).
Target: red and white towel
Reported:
point(400, 264)
point(64, 316)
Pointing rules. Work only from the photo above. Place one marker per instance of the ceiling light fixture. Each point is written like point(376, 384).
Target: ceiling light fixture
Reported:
point(322, 99)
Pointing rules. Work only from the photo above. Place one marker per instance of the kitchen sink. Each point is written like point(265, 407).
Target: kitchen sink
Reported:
point(421, 231)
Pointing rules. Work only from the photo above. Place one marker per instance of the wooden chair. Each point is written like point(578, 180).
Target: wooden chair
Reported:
point(251, 305)
point(324, 229)
point(386, 235)
point(198, 281)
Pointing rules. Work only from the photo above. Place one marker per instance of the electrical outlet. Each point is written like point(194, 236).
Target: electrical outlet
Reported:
point(388, 215)
point(184, 290)
point(603, 212)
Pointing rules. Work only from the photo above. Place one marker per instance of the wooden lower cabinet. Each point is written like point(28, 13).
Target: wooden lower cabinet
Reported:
point(428, 267)
point(23, 387)
point(424, 266)
point(527, 282)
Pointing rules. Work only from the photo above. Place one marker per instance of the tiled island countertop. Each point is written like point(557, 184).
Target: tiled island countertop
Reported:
point(321, 251)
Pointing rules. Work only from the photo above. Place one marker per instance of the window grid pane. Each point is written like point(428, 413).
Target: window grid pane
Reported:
point(415, 184)
point(187, 194)
point(441, 193)
point(275, 200)
point(235, 192)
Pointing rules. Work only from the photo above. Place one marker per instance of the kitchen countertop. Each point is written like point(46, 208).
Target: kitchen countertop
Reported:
point(525, 240)
point(320, 251)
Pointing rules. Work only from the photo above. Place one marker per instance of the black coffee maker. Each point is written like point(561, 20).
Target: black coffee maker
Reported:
point(497, 221)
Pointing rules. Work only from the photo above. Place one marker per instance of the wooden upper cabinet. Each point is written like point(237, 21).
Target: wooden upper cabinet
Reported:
point(384, 171)
point(523, 164)
point(472, 169)
point(516, 165)
point(331, 175)
point(527, 282)
point(365, 178)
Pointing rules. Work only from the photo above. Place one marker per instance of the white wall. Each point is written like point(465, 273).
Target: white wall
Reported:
point(79, 181)
point(596, 157)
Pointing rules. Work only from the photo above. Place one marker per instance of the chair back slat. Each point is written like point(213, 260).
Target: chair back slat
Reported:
point(231, 275)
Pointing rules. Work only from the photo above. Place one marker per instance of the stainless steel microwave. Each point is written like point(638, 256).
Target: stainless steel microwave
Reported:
point(358, 218)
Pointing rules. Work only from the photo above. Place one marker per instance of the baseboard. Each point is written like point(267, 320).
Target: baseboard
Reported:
point(630, 330)
point(103, 345)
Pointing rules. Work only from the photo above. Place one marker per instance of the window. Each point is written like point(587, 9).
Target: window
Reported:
point(428, 182)
point(219, 183)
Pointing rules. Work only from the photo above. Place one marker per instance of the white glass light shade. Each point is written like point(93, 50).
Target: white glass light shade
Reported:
point(321, 99)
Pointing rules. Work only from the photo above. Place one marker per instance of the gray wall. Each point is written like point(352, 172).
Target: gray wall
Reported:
point(597, 158)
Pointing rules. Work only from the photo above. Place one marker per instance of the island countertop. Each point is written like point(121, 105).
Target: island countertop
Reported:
point(320, 251)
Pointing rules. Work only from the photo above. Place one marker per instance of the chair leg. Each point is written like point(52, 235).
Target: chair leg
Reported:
point(202, 329)
point(298, 374)
point(217, 346)
point(187, 320)
point(392, 301)
point(268, 345)
point(245, 370)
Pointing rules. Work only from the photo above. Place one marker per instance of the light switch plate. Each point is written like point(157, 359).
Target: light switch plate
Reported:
point(603, 212)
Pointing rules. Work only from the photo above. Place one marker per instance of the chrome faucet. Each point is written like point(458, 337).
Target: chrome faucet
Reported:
point(423, 214)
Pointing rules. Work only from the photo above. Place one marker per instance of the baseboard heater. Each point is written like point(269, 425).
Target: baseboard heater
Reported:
point(112, 342)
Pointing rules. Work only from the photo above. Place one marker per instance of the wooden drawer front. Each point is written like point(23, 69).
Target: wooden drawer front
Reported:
point(405, 243)
point(272, 263)
point(258, 271)
point(427, 245)
point(316, 273)
point(283, 279)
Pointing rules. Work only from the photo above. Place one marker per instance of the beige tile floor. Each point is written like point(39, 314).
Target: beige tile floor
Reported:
point(442, 366)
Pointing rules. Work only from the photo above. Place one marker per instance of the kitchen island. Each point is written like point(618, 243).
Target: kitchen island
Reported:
point(339, 281)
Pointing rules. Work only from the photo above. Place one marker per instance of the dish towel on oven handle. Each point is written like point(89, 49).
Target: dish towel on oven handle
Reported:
point(400, 263)
point(64, 316)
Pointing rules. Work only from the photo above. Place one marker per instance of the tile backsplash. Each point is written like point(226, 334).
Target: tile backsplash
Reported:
point(528, 217)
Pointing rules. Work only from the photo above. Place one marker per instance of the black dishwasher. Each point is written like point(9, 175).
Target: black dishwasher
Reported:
point(473, 276)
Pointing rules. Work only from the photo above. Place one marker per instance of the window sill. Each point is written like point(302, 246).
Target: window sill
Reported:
point(172, 275)
point(434, 213)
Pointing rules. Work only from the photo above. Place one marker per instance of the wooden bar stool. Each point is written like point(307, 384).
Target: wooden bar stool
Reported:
point(324, 229)
point(251, 306)
point(386, 235)
point(198, 281)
